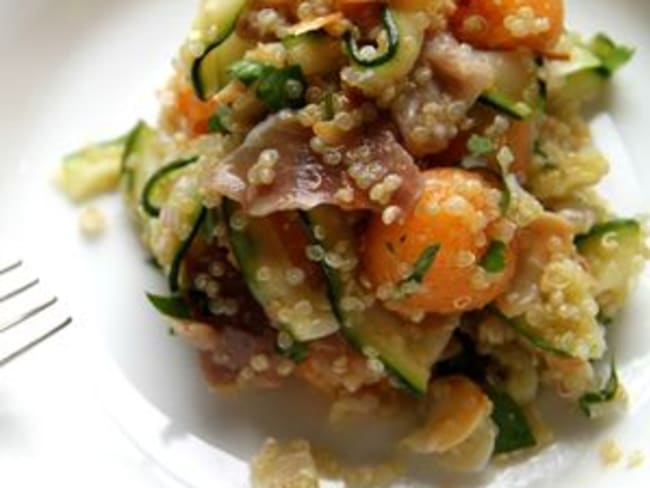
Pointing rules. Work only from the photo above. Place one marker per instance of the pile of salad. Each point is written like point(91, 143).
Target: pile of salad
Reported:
point(393, 201)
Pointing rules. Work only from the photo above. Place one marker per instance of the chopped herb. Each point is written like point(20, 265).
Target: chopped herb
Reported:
point(220, 121)
point(480, 146)
point(328, 105)
point(424, 262)
point(274, 89)
point(506, 200)
point(278, 88)
point(171, 331)
point(612, 56)
point(248, 72)
point(606, 394)
point(514, 431)
point(174, 306)
point(297, 352)
point(494, 260)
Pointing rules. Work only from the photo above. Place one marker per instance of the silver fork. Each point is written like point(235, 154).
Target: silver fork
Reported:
point(23, 317)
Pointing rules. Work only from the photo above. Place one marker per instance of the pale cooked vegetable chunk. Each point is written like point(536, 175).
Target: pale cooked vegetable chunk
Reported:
point(284, 465)
point(458, 408)
point(91, 171)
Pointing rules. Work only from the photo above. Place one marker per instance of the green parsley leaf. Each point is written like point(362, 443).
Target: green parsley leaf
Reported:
point(298, 352)
point(282, 88)
point(612, 56)
point(278, 88)
point(174, 307)
point(494, 260)
point(220, 121)
point(424, 262)
point(248, 72)
point(480, 146)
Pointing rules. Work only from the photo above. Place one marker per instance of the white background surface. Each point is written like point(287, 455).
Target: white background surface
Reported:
point(79, 70)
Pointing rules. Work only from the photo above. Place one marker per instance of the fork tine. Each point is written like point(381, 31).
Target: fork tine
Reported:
point(11, 267)
point(27, 315)
point(20, 290)
point(6, 360)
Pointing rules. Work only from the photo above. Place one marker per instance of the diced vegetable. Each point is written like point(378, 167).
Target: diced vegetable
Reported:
point(407, 350)
point(174, 278)
point(92, 170)
point(479, 145)
point(220, 121)
point(524, 329)
point(265, 257)
point(393, 41)
point(215, 27)
point(373, 75)
point(614, 251)
point(590, 402)
point(514, 431)
point(315, 53)
point(586, 71)
point(445, 215)
point(140, 160)
point(612, 56)
point(422, 265)
point(278, 88)
point(503, 103)
point(157, 183)
point(509, 24)
point(494, 260)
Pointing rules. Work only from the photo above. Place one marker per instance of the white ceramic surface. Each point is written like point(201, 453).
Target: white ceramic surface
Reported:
point(80, 70)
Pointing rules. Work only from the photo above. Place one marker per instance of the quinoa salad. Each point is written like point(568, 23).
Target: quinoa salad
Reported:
point(393, 202)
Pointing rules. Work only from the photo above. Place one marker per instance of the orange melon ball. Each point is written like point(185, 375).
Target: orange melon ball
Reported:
point(453, 253)
point(509, 24)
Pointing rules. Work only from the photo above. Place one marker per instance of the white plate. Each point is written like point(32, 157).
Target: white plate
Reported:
point(77, 71)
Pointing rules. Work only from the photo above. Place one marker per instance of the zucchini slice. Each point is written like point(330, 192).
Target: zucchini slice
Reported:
point(503, 103)
point(209, 70)
point(315, 53)
point(140, 160)
point(93, 170)
point(393, 35)
point(160, 179)
point(407, 350)
point(372, 76)
point(594, 403)
point(521, 327)
point(587, 71)
point(174, 277)
point(615, 252)
point(266, 250)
